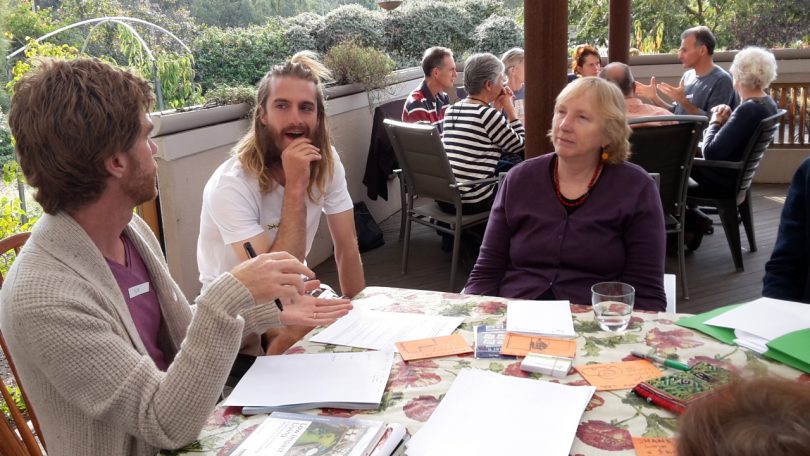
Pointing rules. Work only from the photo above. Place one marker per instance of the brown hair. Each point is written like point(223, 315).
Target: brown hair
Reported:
point(434, 58)
point(67, 117)
point(760, 417)
point(581, 52)
point(609, 103)
point(253, 149)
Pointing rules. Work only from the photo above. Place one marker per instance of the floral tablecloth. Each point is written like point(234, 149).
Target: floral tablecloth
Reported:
point(612, 417)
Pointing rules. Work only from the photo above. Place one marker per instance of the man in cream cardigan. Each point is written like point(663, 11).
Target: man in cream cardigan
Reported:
point(114, 359)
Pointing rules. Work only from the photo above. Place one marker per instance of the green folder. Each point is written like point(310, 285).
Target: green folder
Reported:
point(792, 349)
point(697, 322)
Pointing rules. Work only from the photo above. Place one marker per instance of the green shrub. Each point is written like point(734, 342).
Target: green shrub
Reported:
point(299, 38)
point(228, 95)
point(477, 11)
point(239, 56)
point(351, 63)
point(6, 148)
point(351, 23)
point(418, 25)
point(497, 35)
point(310, 21)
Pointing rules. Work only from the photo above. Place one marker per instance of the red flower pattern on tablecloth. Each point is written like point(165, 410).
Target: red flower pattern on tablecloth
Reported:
point(804, 378)
point(405, 308)
point(715, 362)
point(416, 374)
point(421, 407)
point(669, 341)
point(604, 436)
point(665, 321)
point(297, 350)
point(342, 413)
point(224, 415)
point(635, 323)
point(235, 440)
point(580, 308)
point(492, 307)
point(515, 371)
point(596, 400)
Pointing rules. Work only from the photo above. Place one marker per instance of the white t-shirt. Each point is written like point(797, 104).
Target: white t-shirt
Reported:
point(234, 210)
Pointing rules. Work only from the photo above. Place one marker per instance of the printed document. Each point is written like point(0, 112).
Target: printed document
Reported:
point(485, 413)
point(377, 330)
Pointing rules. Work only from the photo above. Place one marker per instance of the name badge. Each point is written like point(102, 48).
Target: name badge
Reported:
point(138, 290)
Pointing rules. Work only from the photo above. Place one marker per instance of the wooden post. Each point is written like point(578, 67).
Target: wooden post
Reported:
point(619, 31)
point(546, 45)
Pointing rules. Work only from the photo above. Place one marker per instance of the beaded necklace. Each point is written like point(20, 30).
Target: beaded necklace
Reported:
point(578, 201)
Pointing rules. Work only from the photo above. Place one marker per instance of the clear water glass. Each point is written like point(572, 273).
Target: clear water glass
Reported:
point(612, 305)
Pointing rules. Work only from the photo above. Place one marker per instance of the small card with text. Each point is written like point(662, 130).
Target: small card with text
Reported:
point(521, 345)
point(617, 376)
point(654, 446)
point(433, 347)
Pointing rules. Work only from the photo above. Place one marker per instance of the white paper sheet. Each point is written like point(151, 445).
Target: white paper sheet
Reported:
point(316, 379)
point(763, 320)
point(547, 318)
point(485, 413)
point(377, 330)
point(372, 302)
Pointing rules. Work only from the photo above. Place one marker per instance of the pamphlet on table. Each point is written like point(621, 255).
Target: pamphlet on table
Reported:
point(354, 380)
point(292, 434)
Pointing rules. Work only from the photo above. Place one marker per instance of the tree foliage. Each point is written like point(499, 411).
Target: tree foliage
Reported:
point(497, 34)
point(351, 23)
point(238, 56)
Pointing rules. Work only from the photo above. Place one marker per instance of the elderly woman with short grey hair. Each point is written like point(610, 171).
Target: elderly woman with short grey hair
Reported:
point(479, 130)
point(728, 132)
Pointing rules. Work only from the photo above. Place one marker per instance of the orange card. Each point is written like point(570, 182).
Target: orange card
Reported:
point(433, 347)
point(616, 376)
point(654, 446)
point(520, 345)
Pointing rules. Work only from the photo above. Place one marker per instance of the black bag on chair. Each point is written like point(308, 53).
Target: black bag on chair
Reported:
point(369, 234)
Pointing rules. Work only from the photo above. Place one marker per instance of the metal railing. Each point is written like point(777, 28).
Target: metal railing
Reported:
point(795, 126)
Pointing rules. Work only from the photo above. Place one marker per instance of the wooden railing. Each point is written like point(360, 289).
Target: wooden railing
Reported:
point(795, 126)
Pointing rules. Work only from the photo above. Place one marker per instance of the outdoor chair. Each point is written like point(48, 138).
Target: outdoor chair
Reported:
point(21, 442)
point(668, 152)
point(427, 173)
point(732, 208)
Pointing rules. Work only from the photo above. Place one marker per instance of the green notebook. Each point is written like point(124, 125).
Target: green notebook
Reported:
point(792, 349)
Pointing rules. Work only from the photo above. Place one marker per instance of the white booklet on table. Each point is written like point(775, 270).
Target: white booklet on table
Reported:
point(307, 381)
point(543, 318)
point(485, 413)
point(377, 330)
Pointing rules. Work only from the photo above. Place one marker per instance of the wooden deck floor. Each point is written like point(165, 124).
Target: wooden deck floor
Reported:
point(713, 281)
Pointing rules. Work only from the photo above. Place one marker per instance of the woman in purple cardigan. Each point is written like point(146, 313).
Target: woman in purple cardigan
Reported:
point(564, 221)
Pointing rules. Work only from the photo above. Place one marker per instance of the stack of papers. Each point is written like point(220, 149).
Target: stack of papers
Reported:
point(763, 320)
point(485, 413)
point(545, 318)
point(376, 330)
point(302, 382)
point(778, 329)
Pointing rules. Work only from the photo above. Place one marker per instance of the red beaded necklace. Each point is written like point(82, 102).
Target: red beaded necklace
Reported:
point(578, 201)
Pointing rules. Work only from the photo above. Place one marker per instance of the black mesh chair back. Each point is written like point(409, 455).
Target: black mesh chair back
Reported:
point(667, 149)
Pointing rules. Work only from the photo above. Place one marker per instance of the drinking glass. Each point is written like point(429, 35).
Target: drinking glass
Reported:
point(612, 305)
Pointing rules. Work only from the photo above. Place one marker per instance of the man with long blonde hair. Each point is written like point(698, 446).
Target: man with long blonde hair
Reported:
point(271, 192)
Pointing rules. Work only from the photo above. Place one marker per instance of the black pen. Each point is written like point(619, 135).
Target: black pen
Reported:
point(252, 254)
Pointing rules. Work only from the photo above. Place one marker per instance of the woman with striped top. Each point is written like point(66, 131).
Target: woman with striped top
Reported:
point(477, 135)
